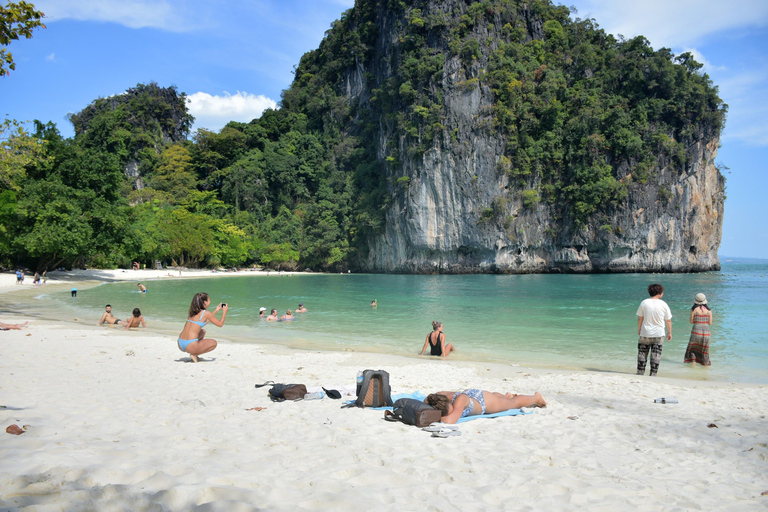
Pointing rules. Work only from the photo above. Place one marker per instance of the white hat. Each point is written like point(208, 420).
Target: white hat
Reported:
point(700, 299)
point(262, 309)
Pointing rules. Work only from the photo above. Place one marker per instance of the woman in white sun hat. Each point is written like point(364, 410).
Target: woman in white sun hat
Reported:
point(698, 344)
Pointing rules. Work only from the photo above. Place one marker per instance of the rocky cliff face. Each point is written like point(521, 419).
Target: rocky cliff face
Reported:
point(457, 213)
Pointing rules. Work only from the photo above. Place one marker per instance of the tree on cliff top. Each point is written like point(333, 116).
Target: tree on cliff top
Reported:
point(16, 19)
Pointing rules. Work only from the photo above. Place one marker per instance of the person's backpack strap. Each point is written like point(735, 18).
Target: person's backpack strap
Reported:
point(262, 385)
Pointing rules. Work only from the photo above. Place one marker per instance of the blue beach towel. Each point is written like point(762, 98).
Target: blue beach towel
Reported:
point(418, 395)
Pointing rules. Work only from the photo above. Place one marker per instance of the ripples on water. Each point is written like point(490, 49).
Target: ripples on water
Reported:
point(565, 321)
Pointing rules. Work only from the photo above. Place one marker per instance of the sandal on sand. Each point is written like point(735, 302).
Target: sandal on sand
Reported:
point(446, 433)
point(438, 426)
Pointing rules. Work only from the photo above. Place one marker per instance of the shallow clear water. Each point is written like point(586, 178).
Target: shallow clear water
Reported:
point(564, 321)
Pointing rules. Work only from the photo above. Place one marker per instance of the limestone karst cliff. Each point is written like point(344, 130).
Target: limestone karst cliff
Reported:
point(511, 137)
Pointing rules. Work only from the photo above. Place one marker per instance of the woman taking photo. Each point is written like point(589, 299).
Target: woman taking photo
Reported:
point(192, 339)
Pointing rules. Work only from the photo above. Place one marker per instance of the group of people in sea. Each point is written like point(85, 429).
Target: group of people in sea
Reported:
point(287, 317)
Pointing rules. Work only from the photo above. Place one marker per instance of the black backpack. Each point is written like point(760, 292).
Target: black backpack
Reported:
point(374, 390)
point(413, 412)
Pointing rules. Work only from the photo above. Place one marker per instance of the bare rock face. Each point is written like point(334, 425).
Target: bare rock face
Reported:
point(448, 218)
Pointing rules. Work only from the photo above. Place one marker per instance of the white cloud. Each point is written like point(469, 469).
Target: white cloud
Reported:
point(51, 57)
point(676, 23)
point(213, 112)
point(162, 14)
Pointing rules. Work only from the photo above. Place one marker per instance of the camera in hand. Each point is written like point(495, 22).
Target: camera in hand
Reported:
point(223, 304)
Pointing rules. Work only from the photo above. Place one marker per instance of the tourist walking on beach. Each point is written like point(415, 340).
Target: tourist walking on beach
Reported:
point(436, 341)
point(192, 339)
point(698, 344)
point(454, 405)
point(136, 320)
point(652, 316)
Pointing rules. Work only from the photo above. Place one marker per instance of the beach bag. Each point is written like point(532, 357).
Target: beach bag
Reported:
point(413, 412)
point(374, 390)
point(280, 392)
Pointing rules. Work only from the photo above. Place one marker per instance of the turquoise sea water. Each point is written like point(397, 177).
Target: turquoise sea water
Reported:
point(560, 321)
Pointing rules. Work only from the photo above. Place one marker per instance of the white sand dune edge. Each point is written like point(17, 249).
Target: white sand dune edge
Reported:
point(120, 421)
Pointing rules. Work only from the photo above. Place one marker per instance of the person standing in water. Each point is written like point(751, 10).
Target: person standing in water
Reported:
point(652, 316)
point(698, 344)
point(192, 339)
point(436, 341)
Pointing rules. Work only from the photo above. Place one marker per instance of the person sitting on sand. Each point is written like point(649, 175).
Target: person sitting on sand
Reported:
point(287, 317)
point(136, 320)
point(436, 341)
point(142, 288)
point(108, 317)
point(192, 339)
point(273, 316)
point(472, 402)
point(15, 327)
point(301, 308)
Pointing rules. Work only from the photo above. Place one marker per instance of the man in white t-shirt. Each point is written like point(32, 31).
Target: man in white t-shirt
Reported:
point(652, 316)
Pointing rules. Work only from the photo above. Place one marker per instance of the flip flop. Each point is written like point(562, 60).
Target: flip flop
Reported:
point(446, 433)
point(438, 426)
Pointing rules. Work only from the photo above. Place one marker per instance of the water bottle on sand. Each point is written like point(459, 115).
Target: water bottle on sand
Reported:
point(359, 382)
point(665, 401)
point(317, 395)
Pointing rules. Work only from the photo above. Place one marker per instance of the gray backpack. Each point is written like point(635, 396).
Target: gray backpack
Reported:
point(374, 391)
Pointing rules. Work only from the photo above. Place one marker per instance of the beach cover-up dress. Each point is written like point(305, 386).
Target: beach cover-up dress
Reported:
point(698, 344)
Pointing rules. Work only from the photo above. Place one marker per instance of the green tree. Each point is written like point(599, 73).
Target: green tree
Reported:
point(18, 150)
point(17, 19)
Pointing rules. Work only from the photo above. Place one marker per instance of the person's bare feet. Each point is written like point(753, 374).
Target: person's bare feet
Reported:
point(194, 358)
point(540, 402)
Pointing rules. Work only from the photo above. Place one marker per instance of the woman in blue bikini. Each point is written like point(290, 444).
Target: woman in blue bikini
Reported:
point(192, 339)
point(471, 402)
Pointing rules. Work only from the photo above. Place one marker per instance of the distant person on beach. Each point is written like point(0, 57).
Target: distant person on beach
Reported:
point(74, 292)
point(287, 317)
point(436, 342)
point(192, 339)
point(142, 288)
point(19, 277)
point(15, 327)
point(698, 344)
point(45, 277)
point(109, 318)
point(652, 315)
point(137, 319)
point(135, 265)
point(374, 303)
point(272, 316)
point(454, 405)
point(36, 279)
point(262, 313)
point(301, 308)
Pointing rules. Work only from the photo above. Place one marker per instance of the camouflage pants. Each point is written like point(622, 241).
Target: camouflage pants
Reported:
point(645, 345)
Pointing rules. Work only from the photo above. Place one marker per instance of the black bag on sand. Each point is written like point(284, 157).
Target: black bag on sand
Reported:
point(413, 412)
point(374, 390)
point(281, 392)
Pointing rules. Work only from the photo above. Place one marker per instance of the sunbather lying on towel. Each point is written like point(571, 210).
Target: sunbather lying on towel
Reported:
point(470, 402)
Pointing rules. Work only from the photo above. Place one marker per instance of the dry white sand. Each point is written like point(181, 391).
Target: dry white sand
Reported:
point(123, 421)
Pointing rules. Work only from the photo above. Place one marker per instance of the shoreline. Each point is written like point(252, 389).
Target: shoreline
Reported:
point(95, 277)
point(122, 420)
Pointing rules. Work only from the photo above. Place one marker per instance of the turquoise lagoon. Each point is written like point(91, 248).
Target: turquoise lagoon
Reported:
point(582, 322)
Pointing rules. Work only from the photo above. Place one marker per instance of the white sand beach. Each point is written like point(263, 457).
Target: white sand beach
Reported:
point(122, 420)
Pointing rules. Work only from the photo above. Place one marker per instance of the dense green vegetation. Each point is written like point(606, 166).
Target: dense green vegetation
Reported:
point(582, 116)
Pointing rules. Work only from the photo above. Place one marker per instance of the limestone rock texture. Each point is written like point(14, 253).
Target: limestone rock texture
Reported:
point(436, 223)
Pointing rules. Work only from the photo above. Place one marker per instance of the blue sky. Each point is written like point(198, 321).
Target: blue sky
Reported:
point(234, 58)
